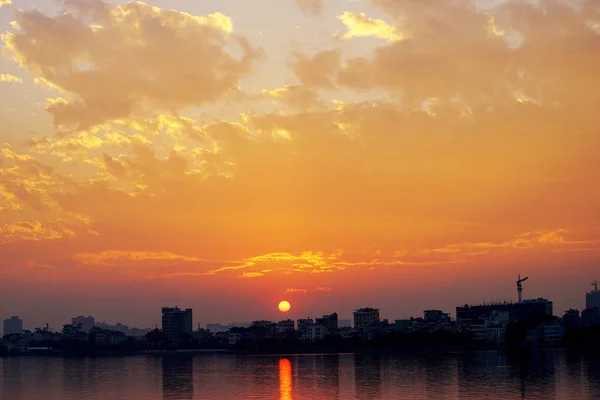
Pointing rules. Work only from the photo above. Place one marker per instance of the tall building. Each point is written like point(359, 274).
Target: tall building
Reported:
point(285, 326)
point(364, 317)
point(328, 321)
point(592, 299)
point(85, 323)
point(590, 317)
point(13, 325)
point(303, 324)
point(435, 316)
point(176, 323)
point(527, 310)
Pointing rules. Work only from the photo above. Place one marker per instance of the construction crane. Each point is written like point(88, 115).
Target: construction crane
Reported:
point(595, 285)
point(520, 286)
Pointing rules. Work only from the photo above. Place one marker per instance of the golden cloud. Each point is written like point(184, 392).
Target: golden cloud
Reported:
point(296, 97)
point(36, 231)
point(251, 274)
point(359, 25)
point(295, 290)
point(133, 57)
point(106, 257)
point(529, 240)
point(10, 78)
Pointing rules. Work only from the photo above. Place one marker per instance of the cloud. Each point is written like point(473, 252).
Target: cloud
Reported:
point(10, 78)
point(295, 96)
point(359, 25)
point(555, 239)
point(132, 57)
point(311, 8)
point(111, 256)
point(306, 261)
point(318, 71)
point(24, 230)
point(500, 48)
point(5, 2)
point(294, 290)
point(251, 274)
point(324, 289)
point(474, 139)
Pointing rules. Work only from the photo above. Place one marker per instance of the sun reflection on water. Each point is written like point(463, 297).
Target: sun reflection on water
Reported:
point(285, 379)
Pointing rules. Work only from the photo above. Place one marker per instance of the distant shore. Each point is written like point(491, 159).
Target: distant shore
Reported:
point(313, 351)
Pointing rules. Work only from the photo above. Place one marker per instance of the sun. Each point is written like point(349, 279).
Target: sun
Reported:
point(284, 306)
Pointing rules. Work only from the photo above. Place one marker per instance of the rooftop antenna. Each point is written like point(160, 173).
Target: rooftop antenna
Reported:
point(595, 285)
point(520, 286)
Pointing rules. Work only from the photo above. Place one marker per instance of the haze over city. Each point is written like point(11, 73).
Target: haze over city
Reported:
point(227, 155)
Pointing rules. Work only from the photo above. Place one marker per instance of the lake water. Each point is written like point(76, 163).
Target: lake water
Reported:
point(552, 374)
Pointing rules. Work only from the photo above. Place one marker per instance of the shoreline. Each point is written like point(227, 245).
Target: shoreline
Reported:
point(385, 352)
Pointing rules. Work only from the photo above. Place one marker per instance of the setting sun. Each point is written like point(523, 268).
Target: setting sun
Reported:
point(284, 306)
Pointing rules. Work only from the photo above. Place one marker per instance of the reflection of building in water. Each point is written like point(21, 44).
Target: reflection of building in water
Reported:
point(12, 374)
point(592, 370)
point(534, 374)
point(569, 364)
point(328, 370)
point(439, 375)
point(285, 379)
point(511, 375)
point(484, 372)
point(367, 376)
point(178, 378)
point(75, 375)
point(319, 375)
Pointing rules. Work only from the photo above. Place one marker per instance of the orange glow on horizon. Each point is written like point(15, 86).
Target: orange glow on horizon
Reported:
point(362, 155)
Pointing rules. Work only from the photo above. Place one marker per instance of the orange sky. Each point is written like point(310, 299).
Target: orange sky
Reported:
point(223, 155)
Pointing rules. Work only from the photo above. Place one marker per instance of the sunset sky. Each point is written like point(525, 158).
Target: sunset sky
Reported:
point(228, 154)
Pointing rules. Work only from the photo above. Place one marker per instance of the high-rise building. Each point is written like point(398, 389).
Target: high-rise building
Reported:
point(592, 299)
point(590, 317)
point(364, 317)
point(13, 325)
point(328, 321)
point(84, 323)
point(303, 324)
point(527, 310)
point(435, 316)
point(285, 326)
point(176, 323)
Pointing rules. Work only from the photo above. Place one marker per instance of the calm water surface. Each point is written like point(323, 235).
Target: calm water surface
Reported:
point(488, 375)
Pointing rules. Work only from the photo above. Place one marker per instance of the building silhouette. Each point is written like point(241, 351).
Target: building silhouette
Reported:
point(364, 317)
point(176, 323)
point(329, 321)
point(592, 299)
point(13, 325)
point(526, 310)
point(85, 323)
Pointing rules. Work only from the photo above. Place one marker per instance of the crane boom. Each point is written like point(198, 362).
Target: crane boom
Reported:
point(520, 286)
